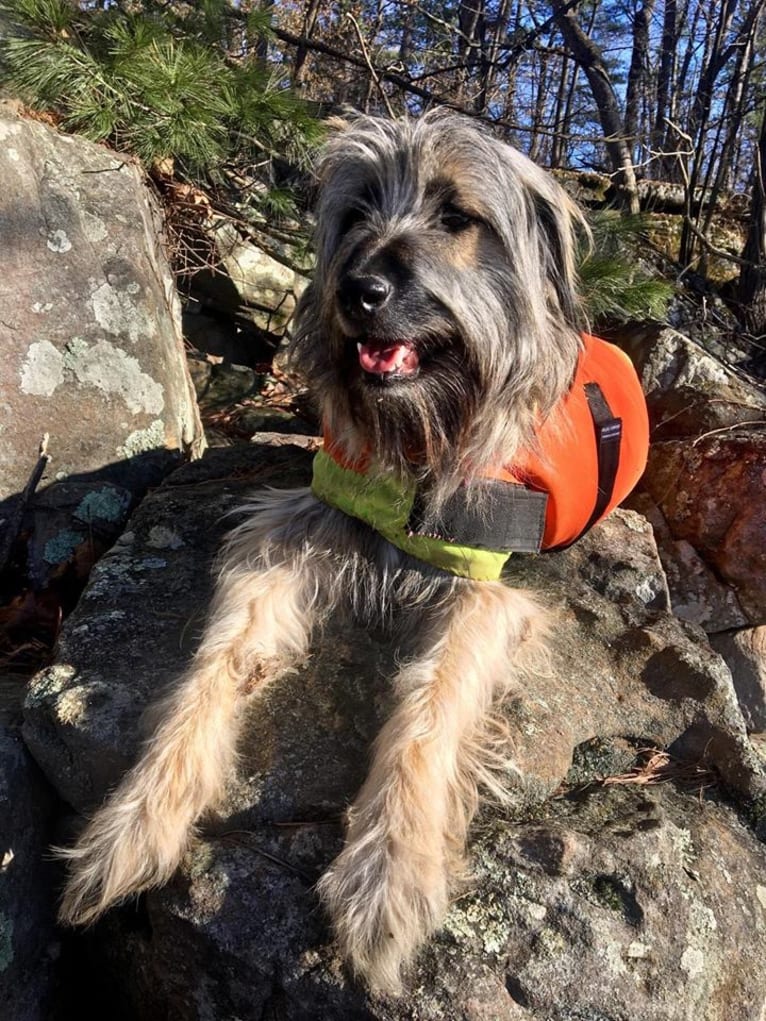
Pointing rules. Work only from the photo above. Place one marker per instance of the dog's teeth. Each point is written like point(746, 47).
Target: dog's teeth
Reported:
point(359, 345)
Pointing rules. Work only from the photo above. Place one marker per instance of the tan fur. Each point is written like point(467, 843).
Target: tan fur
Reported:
point(493, 306)
point(389, 888)
point(257, 625)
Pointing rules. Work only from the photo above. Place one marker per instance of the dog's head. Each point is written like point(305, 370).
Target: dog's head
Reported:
point(443, 318)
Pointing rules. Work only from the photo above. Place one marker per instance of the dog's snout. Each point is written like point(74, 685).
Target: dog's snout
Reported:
point(364, 295)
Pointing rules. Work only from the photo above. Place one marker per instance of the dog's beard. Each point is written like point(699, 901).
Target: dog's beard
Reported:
point(415, 416)
point(438, 403)
point(441, 324)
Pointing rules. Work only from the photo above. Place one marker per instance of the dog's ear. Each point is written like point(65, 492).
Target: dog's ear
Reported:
point(562, 229)
point(550, 222)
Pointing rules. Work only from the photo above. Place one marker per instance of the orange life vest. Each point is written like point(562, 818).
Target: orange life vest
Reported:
point(567, 466)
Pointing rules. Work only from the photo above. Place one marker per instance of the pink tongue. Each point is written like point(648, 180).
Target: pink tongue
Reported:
point(388, 358)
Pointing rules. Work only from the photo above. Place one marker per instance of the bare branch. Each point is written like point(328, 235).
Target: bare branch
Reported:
point(373, 73)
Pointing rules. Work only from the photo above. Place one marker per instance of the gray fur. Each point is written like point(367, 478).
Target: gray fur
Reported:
point(510, 320)
point(477, 246)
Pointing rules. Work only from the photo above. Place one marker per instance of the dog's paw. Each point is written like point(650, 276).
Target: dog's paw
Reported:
point(384, 901)
point(123, 850)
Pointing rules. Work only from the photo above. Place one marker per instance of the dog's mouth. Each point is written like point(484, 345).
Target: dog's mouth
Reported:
point(388, 360)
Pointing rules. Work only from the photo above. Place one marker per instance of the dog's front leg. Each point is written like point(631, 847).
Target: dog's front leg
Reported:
point(389, 887)
point(260, 622)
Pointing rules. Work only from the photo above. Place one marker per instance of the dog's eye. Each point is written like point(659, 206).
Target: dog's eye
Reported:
point(454, 219)
point(350, 219)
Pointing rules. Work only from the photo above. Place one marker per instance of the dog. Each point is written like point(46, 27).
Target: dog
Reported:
point(442, 337)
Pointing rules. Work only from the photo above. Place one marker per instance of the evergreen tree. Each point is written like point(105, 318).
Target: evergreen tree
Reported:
point(616, 284)
point(176, 84)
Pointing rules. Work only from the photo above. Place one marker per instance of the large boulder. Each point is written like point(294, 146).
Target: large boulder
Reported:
point(29, 941)
point(711, 493)
point(249, 281)
point(90, 319)
point(617, 904)
point(93, 356)
point(613, 905)
point(705, 476)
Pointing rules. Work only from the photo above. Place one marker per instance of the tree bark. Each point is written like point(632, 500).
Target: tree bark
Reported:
point(664, 80)
point(309, 22)
point(639, 65)
point(699, 121)
point(558, 145)
point(589, 57)
point(752, 279)
point(495, 32)
point(732, 119)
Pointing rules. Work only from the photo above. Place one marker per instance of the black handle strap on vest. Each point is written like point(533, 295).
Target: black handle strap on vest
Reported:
point(608, 439)
point(608, 435)
point(500, 516)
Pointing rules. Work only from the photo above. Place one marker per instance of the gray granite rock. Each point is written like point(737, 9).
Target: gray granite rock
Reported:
point(239, 933)
point(745, 654)
point(249, 281)
point(89, 319)
point(705, 475)
point(29, 942)
point(618, 904)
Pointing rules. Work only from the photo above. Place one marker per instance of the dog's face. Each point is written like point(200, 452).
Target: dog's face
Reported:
point(442, 317)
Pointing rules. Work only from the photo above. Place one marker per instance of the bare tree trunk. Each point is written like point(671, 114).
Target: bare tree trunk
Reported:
point(492, 48)
point(558, 145)
point(512, 82)
point(538, 113)
point(664, 82)
point(637, 75)
point(699, 119)
point(733, 118)
point(469, 42)
point(405, 40)
point(588, 56)
point(752, 278)
point(302, 51)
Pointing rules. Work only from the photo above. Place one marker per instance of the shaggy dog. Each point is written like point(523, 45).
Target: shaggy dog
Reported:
point(440, 334)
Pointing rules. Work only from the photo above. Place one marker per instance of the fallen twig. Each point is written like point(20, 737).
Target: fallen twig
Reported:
point(16, 517)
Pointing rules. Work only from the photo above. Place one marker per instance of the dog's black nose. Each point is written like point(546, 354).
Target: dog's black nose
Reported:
point(364, 295)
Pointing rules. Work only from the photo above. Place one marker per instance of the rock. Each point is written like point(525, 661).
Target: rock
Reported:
point(248, 279)
point(29, 944)
point(74, 522)
point(89, 317)
point(201, 372)
point(566, 892)
point(164, 564)
point(229, 383)
point(705, 476)
point(264, 418)
point(616, 907)
point(687, 389)
point(232, 339)
point(621, 903)
point(711, 493)
point(745, 654)
point(93, 356)
point(696, 593)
